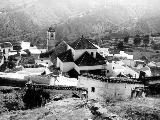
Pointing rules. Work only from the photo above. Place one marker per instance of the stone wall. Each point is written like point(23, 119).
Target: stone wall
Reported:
point(106, 90)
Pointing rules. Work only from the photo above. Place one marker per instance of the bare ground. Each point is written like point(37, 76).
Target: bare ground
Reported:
point(76, 109)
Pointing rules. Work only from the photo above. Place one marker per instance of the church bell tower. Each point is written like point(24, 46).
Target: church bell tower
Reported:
point(51, 38)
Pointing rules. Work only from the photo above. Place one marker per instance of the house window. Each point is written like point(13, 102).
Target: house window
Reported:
point(41, 60)
point(107, 71)
point(3, 51)
point(92, 89)
point(52, 35)
point(46, 62)
point(113, 68)
point(92, 53)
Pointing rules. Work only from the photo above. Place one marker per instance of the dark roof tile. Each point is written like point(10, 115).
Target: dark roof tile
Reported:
point(66, 56)
point(5, 44)
point(86, 60)
point(60, 48)
point(82, 43)
point(100, 58)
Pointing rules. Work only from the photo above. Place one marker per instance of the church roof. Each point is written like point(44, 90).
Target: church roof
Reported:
point(86, 60)
point(83, 43)
point(60, 48)
point(51, 29)
point(66, 56)
point(99, 57)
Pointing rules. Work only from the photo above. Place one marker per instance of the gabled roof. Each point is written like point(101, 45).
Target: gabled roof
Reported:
point(60, 48)
point(73, 71)
point(83, 43)
point(5, 44)
point(100, 58)
point(86, 60)
point(66, 56)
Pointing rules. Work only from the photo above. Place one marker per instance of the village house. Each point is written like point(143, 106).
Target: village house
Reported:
point(138, 65)
point(116, 68)
point(6, 47)
point(123, 55)
point(1, 58)
point(105, 90)
point(43, 61)
point(131, 40)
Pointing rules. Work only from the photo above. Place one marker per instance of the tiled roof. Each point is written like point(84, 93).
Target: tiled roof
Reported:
point(86, 60)
point(66, 56)
point(60, 48)
point(82, 43)
point(5, 44)
point(100, 58)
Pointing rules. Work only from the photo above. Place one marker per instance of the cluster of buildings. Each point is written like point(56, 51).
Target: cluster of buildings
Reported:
point(81, 56)
point(73, 60)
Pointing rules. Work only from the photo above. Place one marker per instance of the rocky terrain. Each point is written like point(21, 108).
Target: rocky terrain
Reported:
point(67, 109)
point(77, 109)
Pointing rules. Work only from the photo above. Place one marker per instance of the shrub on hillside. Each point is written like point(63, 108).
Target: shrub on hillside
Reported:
point(2, 105)
point(11, 101)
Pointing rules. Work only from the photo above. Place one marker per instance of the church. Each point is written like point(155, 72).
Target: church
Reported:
point(79, 57)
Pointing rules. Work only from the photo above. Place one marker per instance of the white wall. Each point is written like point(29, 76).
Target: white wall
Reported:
point(115, 69)
point(43, 62)
point(1, 61)
point(67, 66)
point(25, 45)
point(104, 89)
point(103, 51)
point(99, 67)
point(129, 62)
point(7, 51)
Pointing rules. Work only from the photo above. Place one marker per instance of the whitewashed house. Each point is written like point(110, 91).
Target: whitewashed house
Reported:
point(1, 58)
point(65, 61)
point(122, 54)
point(44, 61)
point(102, 91)
point(115, 68)
point(6, 47)
point(25, 45)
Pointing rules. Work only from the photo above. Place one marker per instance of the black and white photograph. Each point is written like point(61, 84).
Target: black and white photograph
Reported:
point(79, 59)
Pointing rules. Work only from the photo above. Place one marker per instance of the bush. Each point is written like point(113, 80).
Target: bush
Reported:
point(2, 104)
point(11, 101)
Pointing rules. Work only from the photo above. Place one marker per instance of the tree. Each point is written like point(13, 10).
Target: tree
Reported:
point(137, 40)
point(146, 40)
point(156, 46)
point(126, 39)
point(120, 46)
point(11, 64)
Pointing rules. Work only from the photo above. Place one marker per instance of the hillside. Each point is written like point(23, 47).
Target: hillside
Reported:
point(29, 20)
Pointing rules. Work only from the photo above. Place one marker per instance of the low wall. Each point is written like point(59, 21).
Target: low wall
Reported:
point(12, 82)
point(103, 90)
